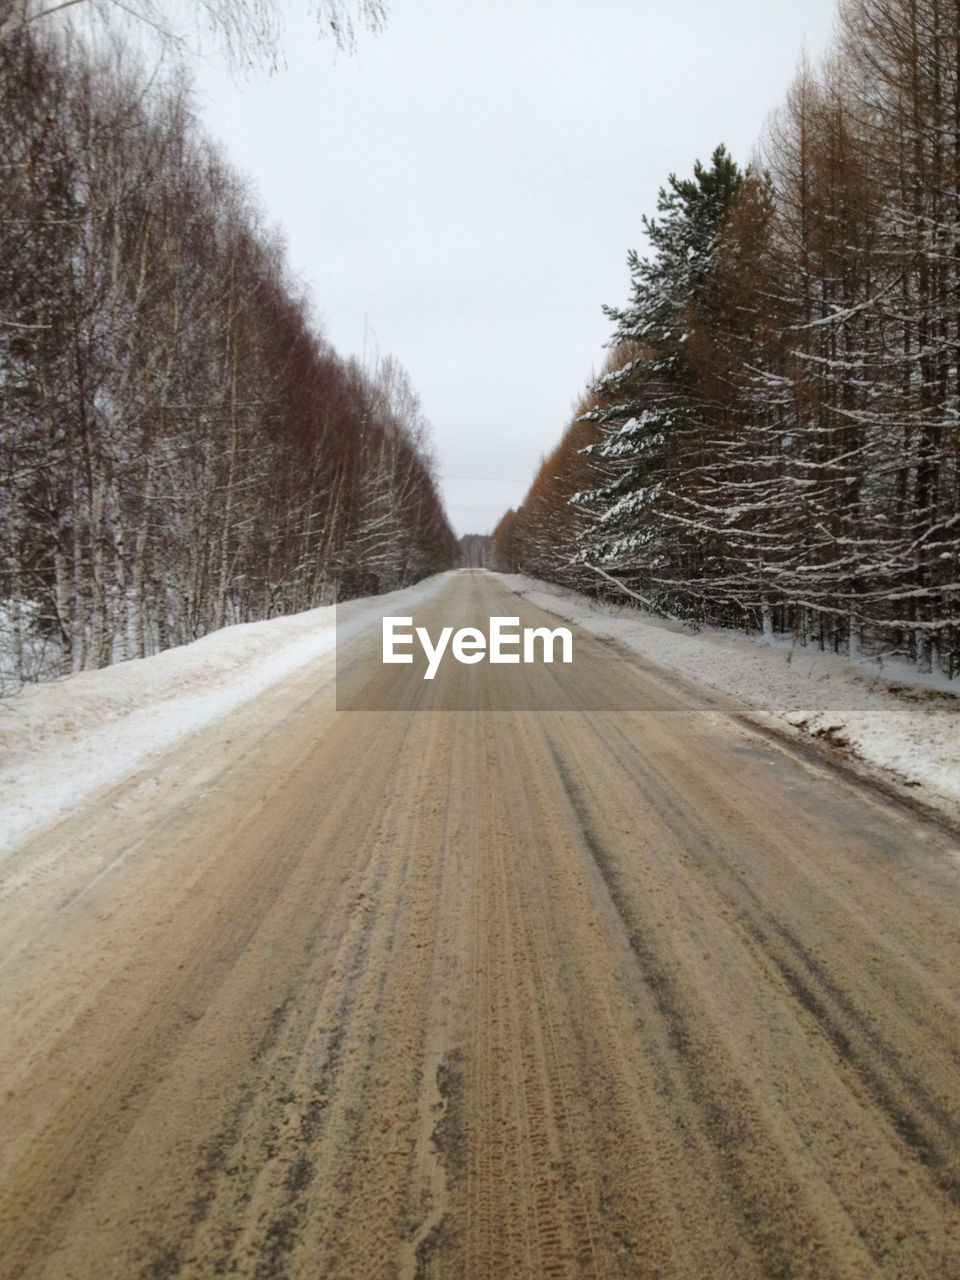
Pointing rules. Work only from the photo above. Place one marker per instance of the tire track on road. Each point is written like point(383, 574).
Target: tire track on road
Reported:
point(483, 993)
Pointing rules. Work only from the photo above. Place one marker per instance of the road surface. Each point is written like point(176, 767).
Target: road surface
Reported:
point(482, 994)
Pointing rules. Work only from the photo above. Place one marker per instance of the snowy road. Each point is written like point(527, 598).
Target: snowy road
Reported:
point(616, 988)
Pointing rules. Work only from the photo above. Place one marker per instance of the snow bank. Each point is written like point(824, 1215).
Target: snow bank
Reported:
point(62, 741)
point(892, 717)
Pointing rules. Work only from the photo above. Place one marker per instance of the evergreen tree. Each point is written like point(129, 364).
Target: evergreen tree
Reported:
point(661, 403)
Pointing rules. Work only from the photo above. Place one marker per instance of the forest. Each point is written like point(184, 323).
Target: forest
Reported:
point(773, 443)
point(180, 448)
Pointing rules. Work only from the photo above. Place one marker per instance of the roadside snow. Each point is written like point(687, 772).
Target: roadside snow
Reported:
point(893, 717)
point(62, 741)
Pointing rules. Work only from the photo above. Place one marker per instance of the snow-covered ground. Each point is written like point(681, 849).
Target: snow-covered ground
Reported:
point(892, 717)
point(62, 741)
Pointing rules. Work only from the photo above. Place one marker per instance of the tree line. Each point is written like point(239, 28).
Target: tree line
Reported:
point(179, 446)
point(774, 442)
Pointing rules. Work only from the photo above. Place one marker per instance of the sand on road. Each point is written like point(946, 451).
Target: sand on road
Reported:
point(613, 988)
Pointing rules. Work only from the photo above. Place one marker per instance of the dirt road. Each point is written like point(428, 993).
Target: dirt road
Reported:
point(482, 994)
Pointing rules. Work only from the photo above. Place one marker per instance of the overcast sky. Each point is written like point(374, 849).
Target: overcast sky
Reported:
point(462, 191)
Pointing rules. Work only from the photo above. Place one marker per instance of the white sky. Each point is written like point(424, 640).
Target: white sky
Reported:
point(462, 192)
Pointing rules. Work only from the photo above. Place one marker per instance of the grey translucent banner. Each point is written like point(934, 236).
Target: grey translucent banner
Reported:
point(467, 677)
